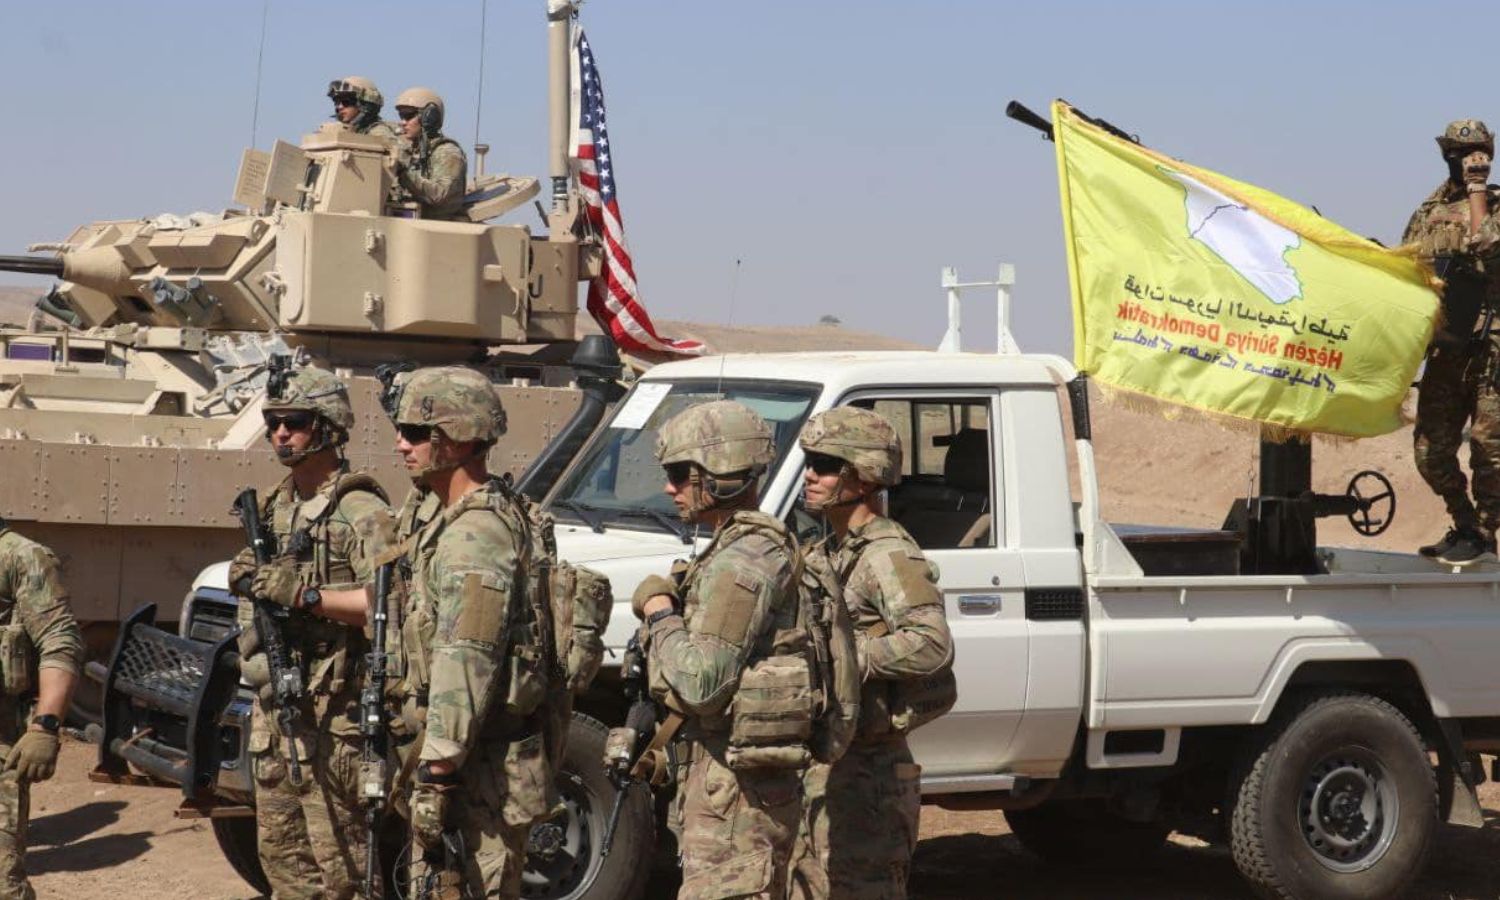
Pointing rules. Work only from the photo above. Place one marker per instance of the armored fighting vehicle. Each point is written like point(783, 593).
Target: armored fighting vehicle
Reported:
point(130, 408)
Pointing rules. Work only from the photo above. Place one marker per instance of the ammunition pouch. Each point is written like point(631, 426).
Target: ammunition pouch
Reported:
point(17, 661)
point(526, 679)
point(772, 715)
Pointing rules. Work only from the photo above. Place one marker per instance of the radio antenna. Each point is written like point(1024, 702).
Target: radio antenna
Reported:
point(734, 288)
point(479, 94)
point(260, 55)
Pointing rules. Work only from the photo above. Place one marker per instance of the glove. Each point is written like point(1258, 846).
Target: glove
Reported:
point(429, 814)
point(34, 756)
point(255, 671)
point(242, 567)
point(280, 582)
point(648, 588)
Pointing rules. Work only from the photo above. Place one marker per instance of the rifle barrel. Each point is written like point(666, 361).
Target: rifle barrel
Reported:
point(1017, 110)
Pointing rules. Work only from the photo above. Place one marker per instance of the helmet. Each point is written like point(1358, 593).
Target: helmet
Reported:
point(722, 437)
point(460, 401)
point(865, 440)
point(422, 100)
point(363, 89)
point(315, 390)
point(1467, 135)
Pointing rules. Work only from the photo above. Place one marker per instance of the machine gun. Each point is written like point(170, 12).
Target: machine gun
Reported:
point(629, 743)
point(286, 677)
point(372, 727)
point(1023, 114)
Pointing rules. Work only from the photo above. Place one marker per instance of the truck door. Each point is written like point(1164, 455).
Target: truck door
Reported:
point(946, 500)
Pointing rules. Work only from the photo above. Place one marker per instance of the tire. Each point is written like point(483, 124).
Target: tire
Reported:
point(1337, 801)
point(1085, 833)
point(564, 859)
point(236, 837)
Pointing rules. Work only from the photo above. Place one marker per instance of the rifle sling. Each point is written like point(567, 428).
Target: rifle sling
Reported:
point(652, 767)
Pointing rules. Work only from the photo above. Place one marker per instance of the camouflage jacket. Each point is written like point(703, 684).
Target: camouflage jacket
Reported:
point(736, 596)
point(32, 596)
point(381, 129)
point(1440, 227)
point(464, 562)
point(335, 536)
point(437, 177)
point(891, 587)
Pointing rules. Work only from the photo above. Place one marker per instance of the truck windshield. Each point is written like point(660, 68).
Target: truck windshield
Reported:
point(617, 477)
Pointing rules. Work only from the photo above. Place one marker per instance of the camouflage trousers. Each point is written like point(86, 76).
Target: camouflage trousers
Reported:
point(15, 809)
point(860, 830)
point(494, 854)
point(738, 828)
point(312, 836)
point(1457, 389)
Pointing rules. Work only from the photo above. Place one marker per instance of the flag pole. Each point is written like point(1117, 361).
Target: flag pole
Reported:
point(559, 17)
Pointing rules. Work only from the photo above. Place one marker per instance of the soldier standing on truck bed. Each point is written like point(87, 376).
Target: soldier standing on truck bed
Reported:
point(41, 650)
point(434, 170)
point(741, 799)
point(357, 103)
point(1457, 233)
point(329, 523)
point(861, 829)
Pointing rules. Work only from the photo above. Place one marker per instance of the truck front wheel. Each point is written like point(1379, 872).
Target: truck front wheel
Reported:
point(1338, 801)
point(237, 841)
point(1084, 833)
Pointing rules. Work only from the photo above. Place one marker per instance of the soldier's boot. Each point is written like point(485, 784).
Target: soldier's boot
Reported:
point(1441, 546)
point(1470, 546)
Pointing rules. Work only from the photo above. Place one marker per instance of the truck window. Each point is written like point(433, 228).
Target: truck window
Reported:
point(945, 497)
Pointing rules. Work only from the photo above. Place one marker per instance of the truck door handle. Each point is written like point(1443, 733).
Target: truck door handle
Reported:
point(978, 604)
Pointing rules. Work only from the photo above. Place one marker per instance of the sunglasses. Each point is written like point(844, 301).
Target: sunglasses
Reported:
point(344, 100)
point(415, 434)
point(678, 472)
point(822, 464)
point(406, 112)
point(294, 421)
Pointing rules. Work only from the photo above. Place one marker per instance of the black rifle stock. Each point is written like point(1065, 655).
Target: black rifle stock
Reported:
point(286, 677)
point(372, 727)
point(641, 718)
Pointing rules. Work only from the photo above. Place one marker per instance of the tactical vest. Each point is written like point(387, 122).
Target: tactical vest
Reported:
point(1469, 283)
point(328, 651)
point(798, 696)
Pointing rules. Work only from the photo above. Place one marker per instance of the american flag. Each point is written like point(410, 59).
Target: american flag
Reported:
point(614, 299)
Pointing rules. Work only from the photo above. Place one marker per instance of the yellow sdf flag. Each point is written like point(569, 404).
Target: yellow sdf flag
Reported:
point(1195, 289)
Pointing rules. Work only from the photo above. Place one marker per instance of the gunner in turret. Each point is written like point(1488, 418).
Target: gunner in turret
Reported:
point(434, 170)
point(357, 103)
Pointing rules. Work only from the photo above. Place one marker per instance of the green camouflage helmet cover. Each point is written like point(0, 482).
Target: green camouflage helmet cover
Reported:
point(722, 437)
point(315, 390)
point(1467, 135)
point(865, 440)
point(459, 400)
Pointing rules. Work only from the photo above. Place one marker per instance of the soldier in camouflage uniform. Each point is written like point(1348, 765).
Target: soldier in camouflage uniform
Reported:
point(861, 829)
point(1456, 232)
point(739, 820)
point(329, 523)
point(357, 103)
point(478, 668)
point(434, 170)
point(41, 651)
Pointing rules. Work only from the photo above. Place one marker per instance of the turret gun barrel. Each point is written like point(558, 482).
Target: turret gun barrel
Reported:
point(33, 265)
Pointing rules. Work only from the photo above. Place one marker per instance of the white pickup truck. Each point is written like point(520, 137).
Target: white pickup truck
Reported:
point(1102, 704)
point(1113, 684)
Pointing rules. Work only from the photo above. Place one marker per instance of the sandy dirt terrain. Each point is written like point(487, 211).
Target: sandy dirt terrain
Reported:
point(101, 841)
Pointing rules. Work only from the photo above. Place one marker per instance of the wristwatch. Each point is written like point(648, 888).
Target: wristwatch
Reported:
point(661, 614)
point(47, 722)
point(311, 597)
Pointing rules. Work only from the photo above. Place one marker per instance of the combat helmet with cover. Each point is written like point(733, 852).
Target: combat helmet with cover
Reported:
point(863, 439)
point(722, 438)
point(427, 104)
point(1466, 136)
point(361, 88)
point(459, 400)
point(314, 390)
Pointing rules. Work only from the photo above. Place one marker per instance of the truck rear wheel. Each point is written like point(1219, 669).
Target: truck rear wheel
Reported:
point(564, 859)
point(1337, 802)
point(1083, 833)
point(237, 841)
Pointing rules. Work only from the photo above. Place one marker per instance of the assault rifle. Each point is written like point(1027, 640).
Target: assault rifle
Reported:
point(286, 678)
point(372, 727)
point(1021, 113)
point(640, 722)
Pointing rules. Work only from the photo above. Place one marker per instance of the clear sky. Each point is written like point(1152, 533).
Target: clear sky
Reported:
point(845, 151)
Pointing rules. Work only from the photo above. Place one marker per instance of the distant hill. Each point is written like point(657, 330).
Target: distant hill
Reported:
point(16, 304)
